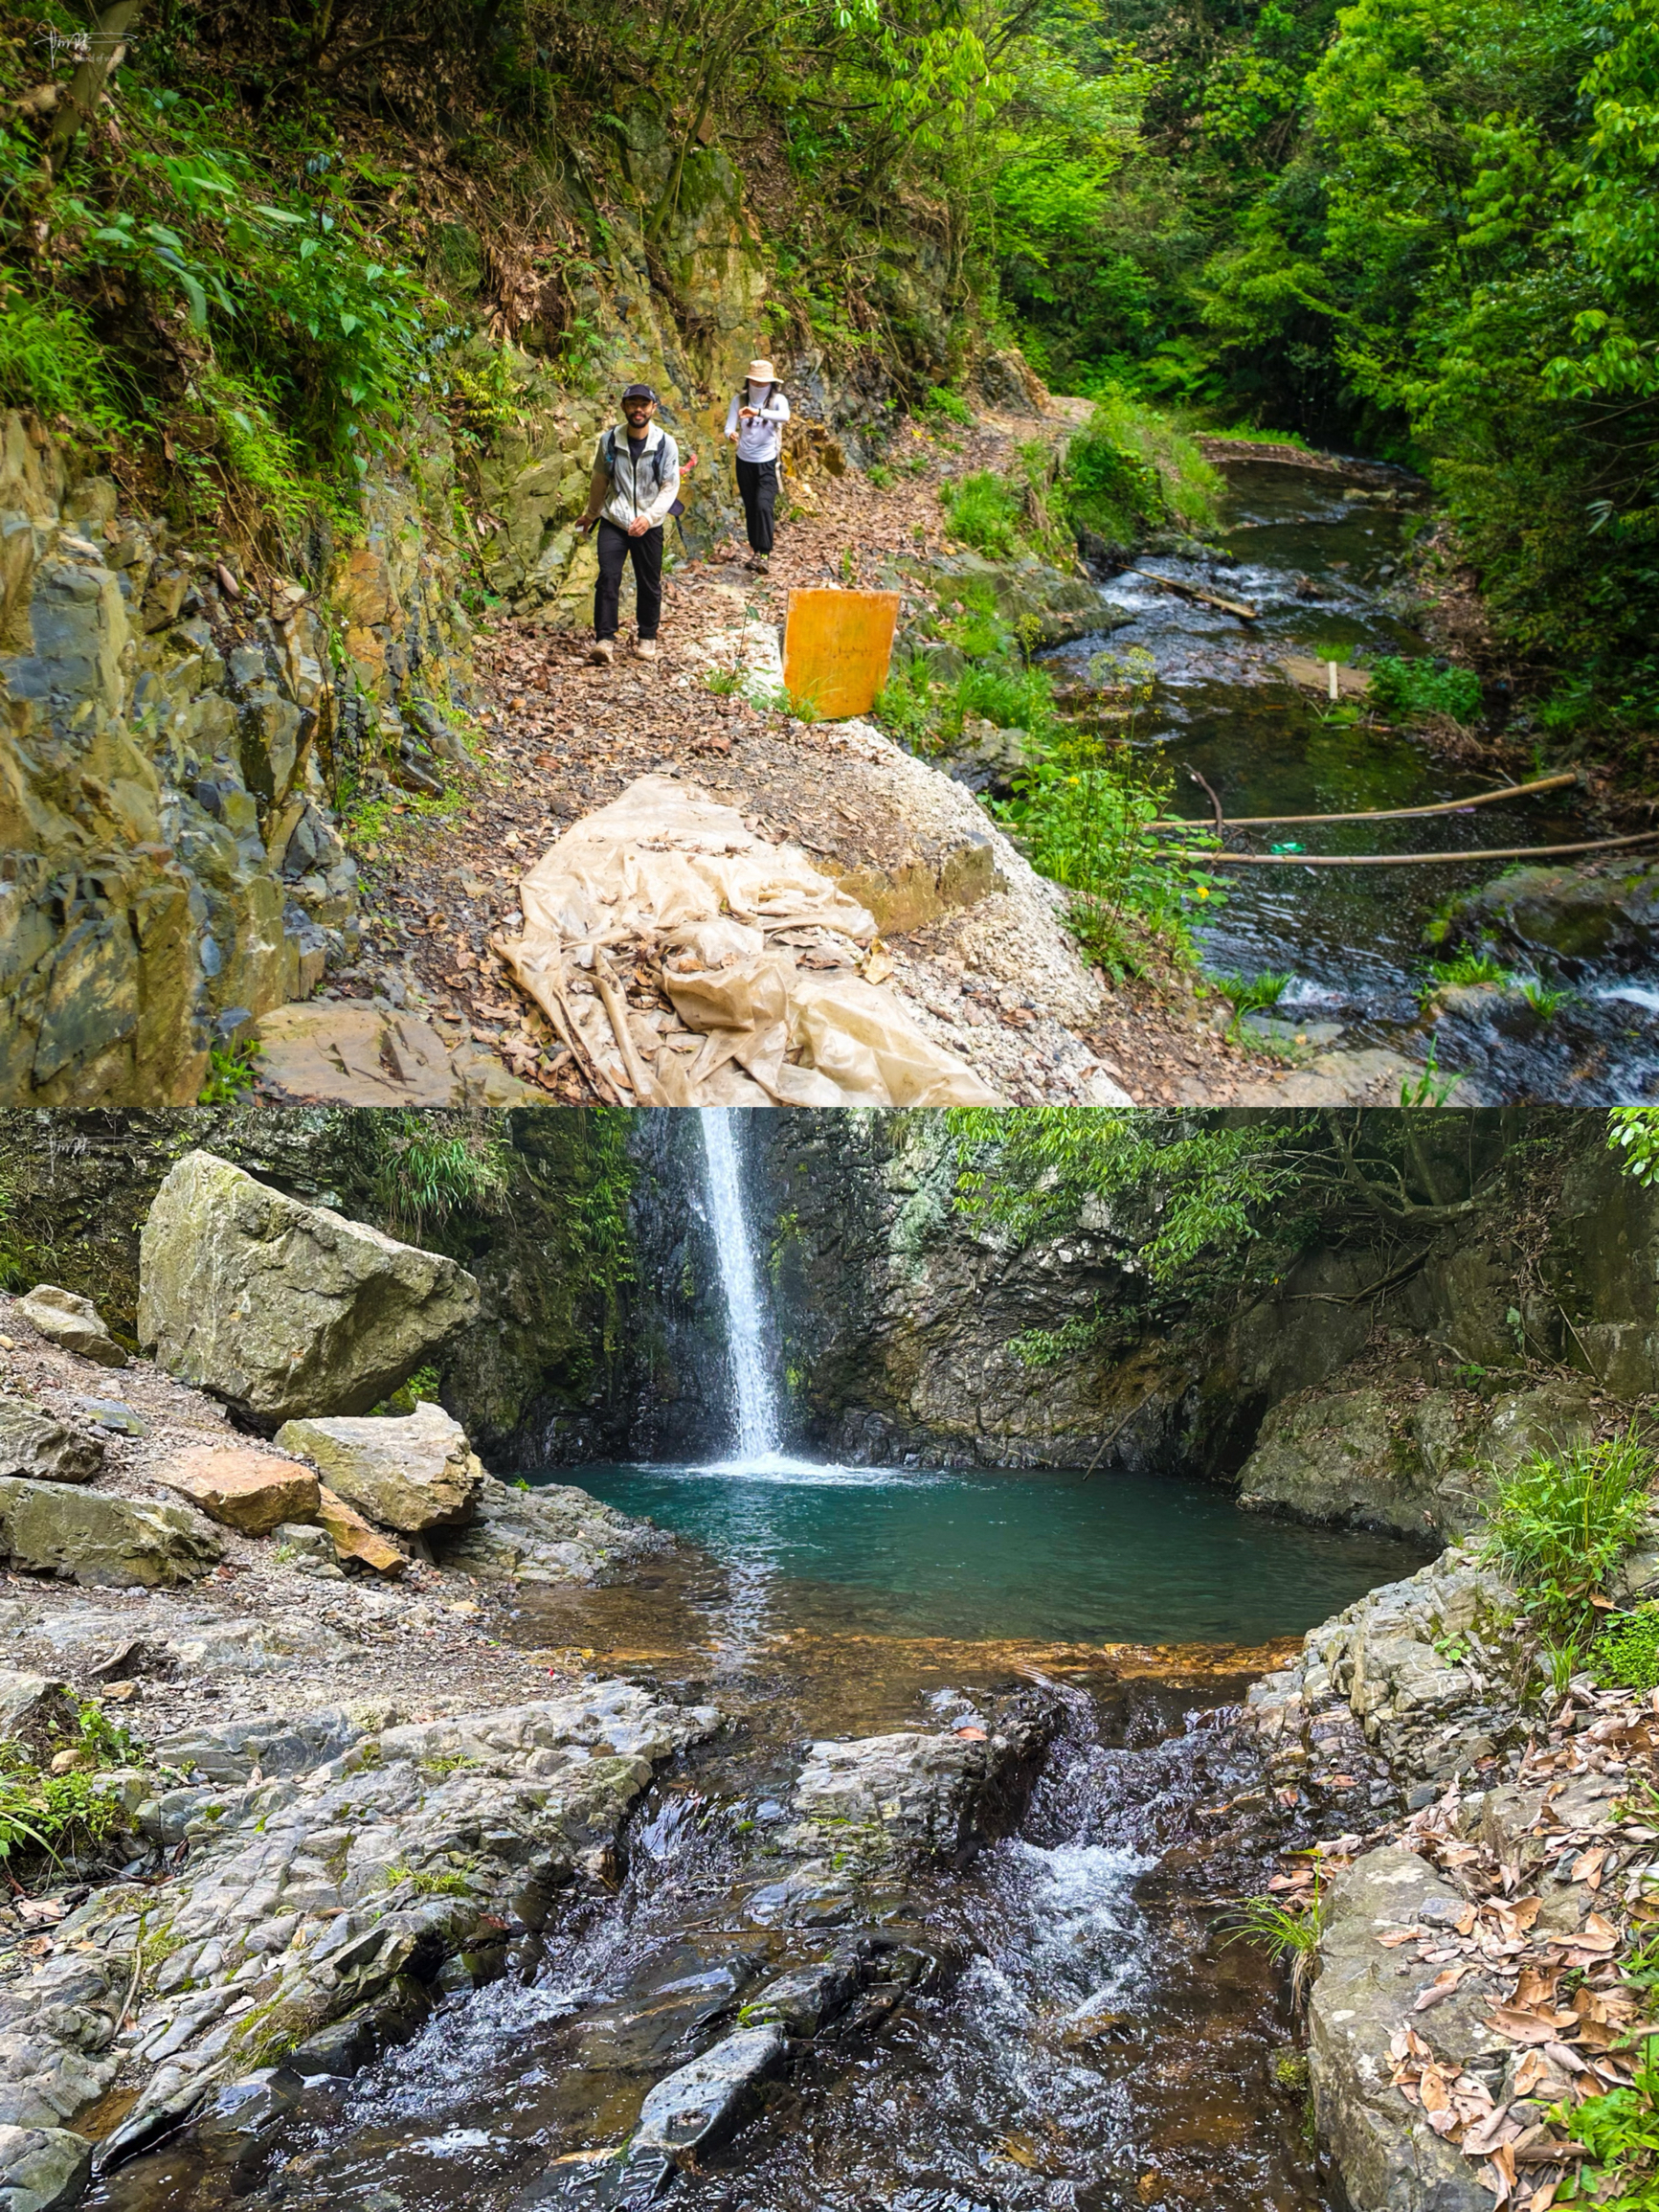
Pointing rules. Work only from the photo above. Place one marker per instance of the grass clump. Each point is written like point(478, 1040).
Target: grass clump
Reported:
point(1411, 689)
point(1469, 967)
point(1250, 994)
point(948, 406)
point(984, 512)
point(1562, 1522)
point(1284, 1929)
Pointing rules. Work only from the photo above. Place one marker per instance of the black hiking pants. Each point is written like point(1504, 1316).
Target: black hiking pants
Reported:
point(616, 546)
point(757, 488)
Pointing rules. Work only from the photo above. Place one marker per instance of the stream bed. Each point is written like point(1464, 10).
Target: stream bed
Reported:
point(1072, 2035)
point(1318, 554)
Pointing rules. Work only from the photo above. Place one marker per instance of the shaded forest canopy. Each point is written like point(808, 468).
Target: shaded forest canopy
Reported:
point(243, 245)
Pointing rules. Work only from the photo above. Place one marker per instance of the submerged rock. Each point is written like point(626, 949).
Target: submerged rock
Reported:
point(31, 1443)
point(286, 1310)
point(411, 1472)
point(695, 2108)
point(71, 1322)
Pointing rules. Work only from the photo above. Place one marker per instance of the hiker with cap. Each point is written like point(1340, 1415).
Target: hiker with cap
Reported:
point(754, 425)
point(631, 494)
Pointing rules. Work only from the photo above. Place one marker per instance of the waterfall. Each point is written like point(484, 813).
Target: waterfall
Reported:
point(757, 1415)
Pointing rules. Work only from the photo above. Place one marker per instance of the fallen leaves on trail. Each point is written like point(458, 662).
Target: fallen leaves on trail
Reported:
point(1558, 2000)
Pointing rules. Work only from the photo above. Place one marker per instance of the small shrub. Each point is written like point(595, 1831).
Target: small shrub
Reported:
point(879, 474)
point(950, 405)
point(1562, 1524)
point(983, 512)
point(1627, 1651)
point(1620, 2132)
point(1413, 688)
point(1545, 1003)
point(904, 709)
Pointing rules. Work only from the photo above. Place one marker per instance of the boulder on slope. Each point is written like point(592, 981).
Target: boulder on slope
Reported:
point(411, 1472)
point(250, 1491)
point(46, 1450)
point(283, 1310)
point(105, 1543)
point(71, 1322)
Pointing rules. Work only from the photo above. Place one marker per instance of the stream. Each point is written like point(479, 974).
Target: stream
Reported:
point(1053, 2019)
point(1318, 554)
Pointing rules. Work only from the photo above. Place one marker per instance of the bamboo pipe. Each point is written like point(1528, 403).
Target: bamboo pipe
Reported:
point(1374, 814)
point(1408, 859)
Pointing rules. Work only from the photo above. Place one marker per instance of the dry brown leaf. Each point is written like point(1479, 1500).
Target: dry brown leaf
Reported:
point(1499, 2175)
point(1444, 1984)
point(1526, 2027)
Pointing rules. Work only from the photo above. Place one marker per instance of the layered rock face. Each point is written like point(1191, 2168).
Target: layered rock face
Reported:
point(284, 1310)
point(170, 862)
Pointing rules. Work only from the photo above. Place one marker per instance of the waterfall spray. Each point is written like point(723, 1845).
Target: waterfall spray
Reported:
point(757, 1416)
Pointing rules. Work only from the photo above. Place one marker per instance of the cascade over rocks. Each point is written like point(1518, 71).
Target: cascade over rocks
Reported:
point(411, 1473)
point(286, 1310)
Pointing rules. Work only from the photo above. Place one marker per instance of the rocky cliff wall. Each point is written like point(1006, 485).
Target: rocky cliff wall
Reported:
point(183, 728)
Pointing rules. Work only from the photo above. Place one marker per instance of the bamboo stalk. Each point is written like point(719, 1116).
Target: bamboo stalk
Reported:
point(1246, 614)
point(1411, 859)
point(1379, 813)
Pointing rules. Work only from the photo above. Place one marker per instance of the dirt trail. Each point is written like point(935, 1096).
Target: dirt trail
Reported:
point(996, 980)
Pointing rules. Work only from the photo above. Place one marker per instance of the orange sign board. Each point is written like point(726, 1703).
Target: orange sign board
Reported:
point(835, 650)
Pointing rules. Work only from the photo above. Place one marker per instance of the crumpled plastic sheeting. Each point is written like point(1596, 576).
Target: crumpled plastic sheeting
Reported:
point(758, 951)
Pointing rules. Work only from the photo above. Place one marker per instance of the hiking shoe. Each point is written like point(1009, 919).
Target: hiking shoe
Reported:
point(646, 648)
point(758, 564)
point(602, 653)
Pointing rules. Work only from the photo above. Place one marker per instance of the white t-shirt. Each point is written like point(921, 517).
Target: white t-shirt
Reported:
point(761, 437)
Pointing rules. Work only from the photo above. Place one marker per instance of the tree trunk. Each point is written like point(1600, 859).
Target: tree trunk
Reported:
point(105, 49)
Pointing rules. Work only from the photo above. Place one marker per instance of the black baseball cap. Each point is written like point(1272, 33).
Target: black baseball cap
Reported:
point(639, 391)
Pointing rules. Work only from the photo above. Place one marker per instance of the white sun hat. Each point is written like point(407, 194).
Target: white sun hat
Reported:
point(762, 372)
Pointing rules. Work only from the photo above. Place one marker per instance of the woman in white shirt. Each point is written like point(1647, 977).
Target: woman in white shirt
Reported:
point(754, 425)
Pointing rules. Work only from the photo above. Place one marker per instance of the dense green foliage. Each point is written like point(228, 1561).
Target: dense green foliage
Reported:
point(1627, 1650)
point(1560, 1523)
point(1426, 225)
point(1620, 2130)
point(1633, 1134)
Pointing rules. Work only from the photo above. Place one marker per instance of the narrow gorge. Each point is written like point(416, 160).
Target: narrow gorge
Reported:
point(790, 1659)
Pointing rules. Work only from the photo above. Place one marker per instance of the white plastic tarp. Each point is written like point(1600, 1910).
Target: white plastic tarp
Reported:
point(758, 952)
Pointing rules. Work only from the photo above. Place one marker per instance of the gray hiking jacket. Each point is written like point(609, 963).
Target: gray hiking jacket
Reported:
point(615, 494)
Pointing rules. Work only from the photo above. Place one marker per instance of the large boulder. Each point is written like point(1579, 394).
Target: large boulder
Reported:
point(281, 1309)
point(411, 1472)
point(251, 1491)
point(71, 1322)
point(1574, 917)
point(33, 1444)
point(105, 1543)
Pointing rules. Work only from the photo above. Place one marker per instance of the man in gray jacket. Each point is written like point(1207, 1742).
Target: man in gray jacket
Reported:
point(631, 493)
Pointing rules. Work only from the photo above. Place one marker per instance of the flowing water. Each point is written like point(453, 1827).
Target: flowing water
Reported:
point(1317, 553)
point(1056, 2023)
point(754, 1394)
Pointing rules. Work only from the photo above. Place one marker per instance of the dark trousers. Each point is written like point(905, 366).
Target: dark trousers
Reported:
point(757, 488)
point(616, 546)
